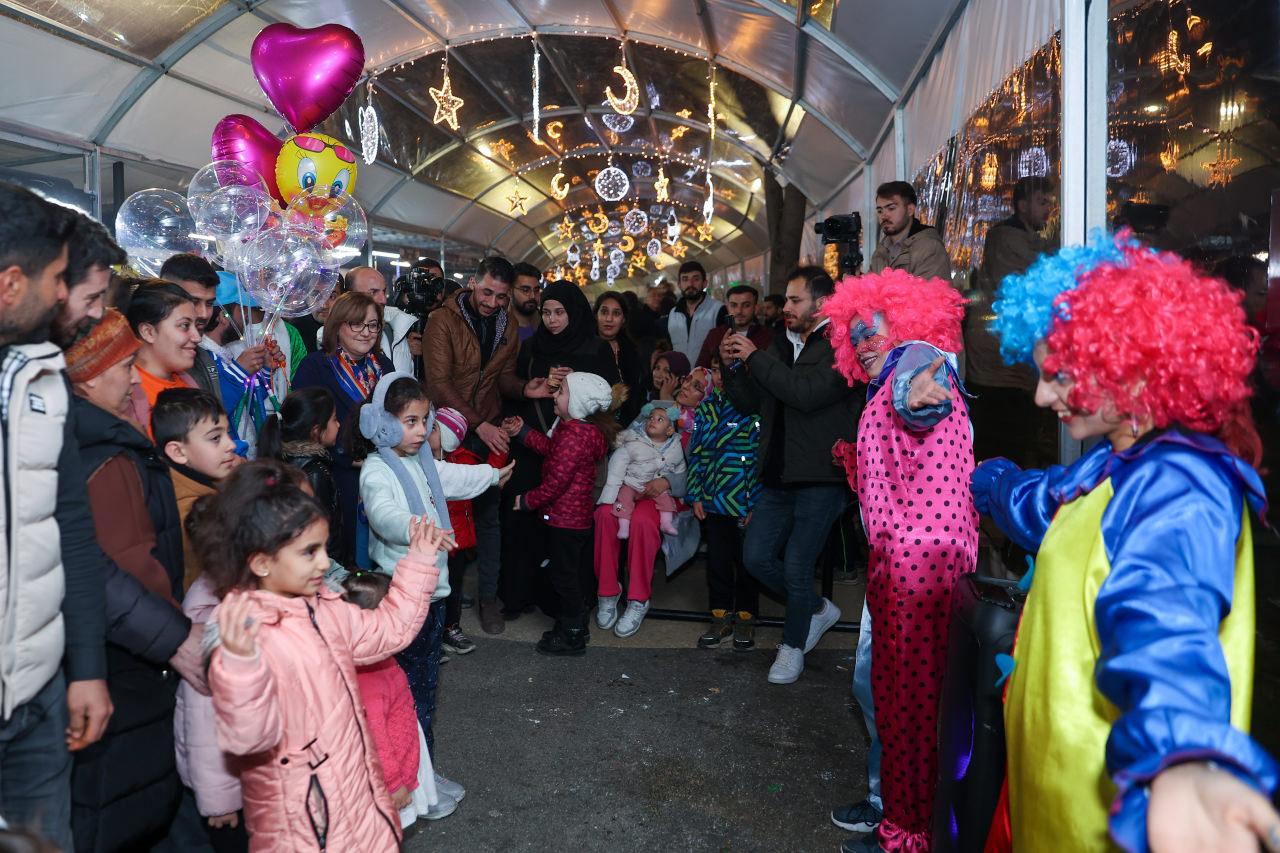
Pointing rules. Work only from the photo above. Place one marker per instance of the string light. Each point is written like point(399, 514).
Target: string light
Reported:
point(447, 103)
point(537, 94)
point(368, 118)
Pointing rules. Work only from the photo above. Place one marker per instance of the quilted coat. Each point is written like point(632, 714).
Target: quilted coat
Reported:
point(311, 779)
point(638, 459)
point(569, 460)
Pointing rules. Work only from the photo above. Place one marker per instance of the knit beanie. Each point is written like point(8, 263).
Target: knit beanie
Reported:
point(108, 341)
point(588, 394)
point(453, 428)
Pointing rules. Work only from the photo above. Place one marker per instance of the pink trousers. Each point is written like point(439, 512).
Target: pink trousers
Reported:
point(642, 550)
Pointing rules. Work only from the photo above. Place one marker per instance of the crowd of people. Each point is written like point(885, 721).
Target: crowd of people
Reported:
point(236, 544)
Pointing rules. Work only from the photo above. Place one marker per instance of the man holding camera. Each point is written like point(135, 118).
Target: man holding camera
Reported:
point(401, 341)
point(906, 243)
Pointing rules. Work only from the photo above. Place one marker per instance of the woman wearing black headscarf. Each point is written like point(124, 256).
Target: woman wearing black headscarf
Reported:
point(566, 340)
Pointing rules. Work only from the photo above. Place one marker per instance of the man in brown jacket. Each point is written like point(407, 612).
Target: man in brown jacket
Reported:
point(906, 243)
point(470, 354)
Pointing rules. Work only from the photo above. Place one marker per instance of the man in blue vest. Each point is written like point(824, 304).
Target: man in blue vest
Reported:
point(696, 314)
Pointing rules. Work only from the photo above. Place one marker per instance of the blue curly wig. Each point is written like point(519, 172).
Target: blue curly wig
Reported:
point(1027, 304)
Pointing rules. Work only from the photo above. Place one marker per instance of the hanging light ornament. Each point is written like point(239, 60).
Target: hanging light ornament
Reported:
point(1033, 162)
point(368, 118)
point(559, 190)
point(641, 169)
point(447, 103)
point(537, 95)
point(617, 123)
point(612, 184)
point(518, 200)
point(636, 221)
point(598, 222)
point(597, 248)
point(595, 268)
point(615, 228)
point(704, 232)
point(564, 230)
point(1120, 158)
point(653, 248)
point(678, 250)
point(1169, 156)
point(573, 255)
point(627, 243)
point(709, 203)
point(627, 104)
point(617, 257)
point(673, 228)
point(1220, 168)
point(660, 185)
point(990, 171)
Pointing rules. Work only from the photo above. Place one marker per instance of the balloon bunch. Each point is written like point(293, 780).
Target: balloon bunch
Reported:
point(280, 215)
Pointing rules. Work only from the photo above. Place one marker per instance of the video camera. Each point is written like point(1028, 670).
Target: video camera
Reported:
point(418, 292)
point(844, 229)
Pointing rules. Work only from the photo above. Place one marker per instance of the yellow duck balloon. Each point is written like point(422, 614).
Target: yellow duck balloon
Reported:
point(310, 160)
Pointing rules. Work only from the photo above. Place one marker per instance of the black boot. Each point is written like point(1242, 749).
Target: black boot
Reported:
point(563, 641)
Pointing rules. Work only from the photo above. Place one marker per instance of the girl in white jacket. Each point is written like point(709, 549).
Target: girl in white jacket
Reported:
point(648, 450)
point(399, 482)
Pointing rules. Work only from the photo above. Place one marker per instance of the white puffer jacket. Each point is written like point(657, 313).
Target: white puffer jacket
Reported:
point(31, 578)
point(638, 460)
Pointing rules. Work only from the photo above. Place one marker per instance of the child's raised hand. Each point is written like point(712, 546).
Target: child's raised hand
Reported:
point(427, 539)
point(504, 474)
point(512, 426)
point(237, 630)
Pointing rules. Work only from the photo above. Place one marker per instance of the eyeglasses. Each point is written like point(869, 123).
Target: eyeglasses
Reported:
point(371, 327)
point(316, 145)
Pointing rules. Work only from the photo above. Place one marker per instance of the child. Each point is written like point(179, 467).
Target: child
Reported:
point(303, 435)
point(191, 429)
point(1135, 650)
point(400, 482)
point(669, 370)
point(580, 437)
point(282, 668)
point(911, 467)
point(446, 443)
point(388, 704)
point(645, 452)
point(690, 394)
point(724, 484)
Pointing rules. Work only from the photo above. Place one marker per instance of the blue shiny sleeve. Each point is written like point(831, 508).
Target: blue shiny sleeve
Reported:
point(1170, 532)
point(914, 361)
point(1021, 503)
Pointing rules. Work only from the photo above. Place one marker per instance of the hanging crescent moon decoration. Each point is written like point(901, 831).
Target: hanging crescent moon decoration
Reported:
point(559, 190)
point(628, 103)
point(627, 243)
point(553, 129)
point(599, 223)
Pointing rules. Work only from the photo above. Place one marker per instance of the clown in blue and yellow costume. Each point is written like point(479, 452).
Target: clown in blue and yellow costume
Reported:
point(1131, 689)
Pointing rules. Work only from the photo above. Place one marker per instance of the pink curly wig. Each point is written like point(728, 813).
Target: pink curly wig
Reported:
point(913, 310)
point(1158, 340)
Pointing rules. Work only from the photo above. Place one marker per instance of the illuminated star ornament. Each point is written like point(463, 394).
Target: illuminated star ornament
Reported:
point(447, 103)
point(518, 200)
point(564, 230)
point(660, 185)
point(678, 250)
point(704, 233)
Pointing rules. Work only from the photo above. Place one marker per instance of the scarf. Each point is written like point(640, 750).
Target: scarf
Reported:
point(357, 378)
point(480, 326)
point(573, 338)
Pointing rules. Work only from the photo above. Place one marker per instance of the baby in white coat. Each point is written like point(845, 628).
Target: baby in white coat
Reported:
point(649, 450)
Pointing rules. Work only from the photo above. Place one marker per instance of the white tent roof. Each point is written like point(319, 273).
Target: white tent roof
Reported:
point(805, 89)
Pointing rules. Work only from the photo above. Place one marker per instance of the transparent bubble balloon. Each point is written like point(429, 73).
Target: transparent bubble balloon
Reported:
point(233, 212)
point(216, 176)
point(335, 219)
point(286, 272)
point(153, 225)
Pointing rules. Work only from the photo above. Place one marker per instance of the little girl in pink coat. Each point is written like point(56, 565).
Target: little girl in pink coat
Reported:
point(283, 669)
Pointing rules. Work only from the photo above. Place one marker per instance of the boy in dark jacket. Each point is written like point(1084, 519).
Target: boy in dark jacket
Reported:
point(724, 485)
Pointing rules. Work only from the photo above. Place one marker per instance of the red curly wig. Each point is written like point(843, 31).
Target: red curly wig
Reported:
point(1158, 340)
point(914, 309)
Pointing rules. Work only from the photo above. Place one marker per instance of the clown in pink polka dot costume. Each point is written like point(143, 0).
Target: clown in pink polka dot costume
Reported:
point(910, 467)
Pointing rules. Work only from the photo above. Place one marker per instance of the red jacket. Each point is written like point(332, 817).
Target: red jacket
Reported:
point(568, 473)
point(461, 515)
point(388, 708)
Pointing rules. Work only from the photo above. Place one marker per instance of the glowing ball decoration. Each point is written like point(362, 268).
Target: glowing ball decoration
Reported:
point(635, 222)
point(612, 184)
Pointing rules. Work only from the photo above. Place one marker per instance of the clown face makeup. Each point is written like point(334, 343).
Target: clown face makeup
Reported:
point(871, 345)
point(1053, 392)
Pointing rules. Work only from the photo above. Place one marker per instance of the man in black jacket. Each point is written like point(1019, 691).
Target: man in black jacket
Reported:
point(805, 406)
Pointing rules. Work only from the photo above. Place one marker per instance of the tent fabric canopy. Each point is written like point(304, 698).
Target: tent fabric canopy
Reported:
point(803, 89)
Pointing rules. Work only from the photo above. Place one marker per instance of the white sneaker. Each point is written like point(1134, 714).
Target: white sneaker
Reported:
point(452, 789)
point(820, 622)
point(631, 618)
point(606, 611)
point(787, 666)
point(445, 806)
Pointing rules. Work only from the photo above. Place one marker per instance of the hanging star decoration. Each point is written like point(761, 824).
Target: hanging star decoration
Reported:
point(677, 132)
point(597, 248)
point(447, 103)
point(1221, 167)
point(564, 229)
point(503, 149)
point(638, 260)
point(704, 233)
point(685, 113)
point(660, 185)
point(582, 276)
point(679, 250)
point(518, 200)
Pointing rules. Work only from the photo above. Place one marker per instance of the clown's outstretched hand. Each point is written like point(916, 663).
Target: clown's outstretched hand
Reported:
point(1198, 807)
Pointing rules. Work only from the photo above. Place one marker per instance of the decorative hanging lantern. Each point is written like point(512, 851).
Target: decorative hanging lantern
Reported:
point(636, 222)
point(612, 183)
point(368, 118)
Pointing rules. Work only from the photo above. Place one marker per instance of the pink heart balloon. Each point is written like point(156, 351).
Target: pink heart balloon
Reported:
point(307, 74)
point(244, 140)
